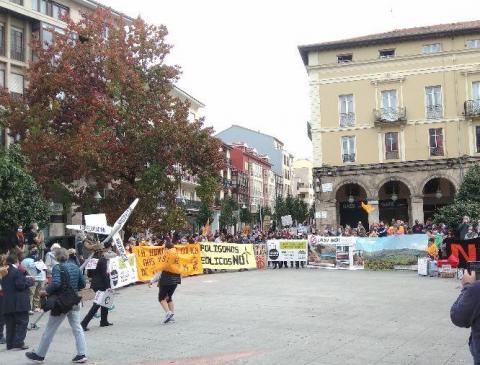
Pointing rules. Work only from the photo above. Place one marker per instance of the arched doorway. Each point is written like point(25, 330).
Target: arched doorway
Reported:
point(437, 193)
point(394, 202)
point(349, 202)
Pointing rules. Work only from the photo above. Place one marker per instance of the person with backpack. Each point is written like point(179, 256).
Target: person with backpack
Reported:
point(66, 277)
point(37, 270)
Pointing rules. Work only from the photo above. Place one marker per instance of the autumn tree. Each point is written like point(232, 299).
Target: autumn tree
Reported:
point(98, 115)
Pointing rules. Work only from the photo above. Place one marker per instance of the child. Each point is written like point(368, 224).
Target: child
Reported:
point(167, 283)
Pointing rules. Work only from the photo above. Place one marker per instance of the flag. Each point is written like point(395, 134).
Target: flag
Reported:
point(367, 207)
point(206, 228)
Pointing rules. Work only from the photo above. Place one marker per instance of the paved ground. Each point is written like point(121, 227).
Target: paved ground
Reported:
point(278, 317)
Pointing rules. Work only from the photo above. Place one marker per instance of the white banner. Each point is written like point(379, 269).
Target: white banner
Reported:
point(287, 250)
point(122, 272)
point(104, 298)
point(325, 240)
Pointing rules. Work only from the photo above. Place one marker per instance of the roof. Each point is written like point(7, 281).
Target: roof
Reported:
point(188, 96)
point(251, 130)
point(397, 35)
point(93, 4)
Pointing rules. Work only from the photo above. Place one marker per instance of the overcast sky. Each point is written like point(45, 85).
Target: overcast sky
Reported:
point(240, 58)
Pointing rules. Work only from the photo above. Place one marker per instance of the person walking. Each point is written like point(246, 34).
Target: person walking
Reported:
point(3, 272)
point(76, 281)
point(167, 283)
point(100, 281)
point(16, 304)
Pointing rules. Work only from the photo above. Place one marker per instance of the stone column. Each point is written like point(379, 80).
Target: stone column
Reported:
point(374, 217)
point(416, 209)
point(326, 214)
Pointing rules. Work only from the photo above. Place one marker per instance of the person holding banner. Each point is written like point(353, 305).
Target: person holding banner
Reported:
point(100, 281)
point(167, 283)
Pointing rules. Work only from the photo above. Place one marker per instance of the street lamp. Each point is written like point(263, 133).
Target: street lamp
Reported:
point(438, 194)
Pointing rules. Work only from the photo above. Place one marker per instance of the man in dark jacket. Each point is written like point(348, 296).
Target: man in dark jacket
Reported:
point(16, 304)
point(465, 312)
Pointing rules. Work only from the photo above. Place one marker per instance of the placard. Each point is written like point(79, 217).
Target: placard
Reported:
point(287, 250)
point(260, 250)
point(227, 256)
point(122, 272)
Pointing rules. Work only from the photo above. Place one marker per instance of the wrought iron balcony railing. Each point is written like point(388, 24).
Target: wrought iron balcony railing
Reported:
point(436, 151)
point(350, 157)
point(434, 111)
point(390, 115)
point(391, 155)
point(347, 119)
point(472, 108)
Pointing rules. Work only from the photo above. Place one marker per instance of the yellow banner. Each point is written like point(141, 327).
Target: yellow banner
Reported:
point(293, 245)
point(151, 259)
point(227, 256)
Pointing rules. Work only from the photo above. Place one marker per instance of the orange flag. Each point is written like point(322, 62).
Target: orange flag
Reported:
point(206, 228)
point(368, 208)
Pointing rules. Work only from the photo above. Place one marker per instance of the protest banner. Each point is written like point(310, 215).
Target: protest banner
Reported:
point(332, 252)
point(260, 251)
point(151, 259)
point(464, 250)
point(122, 273)
point(227, 256)
point(287, 250)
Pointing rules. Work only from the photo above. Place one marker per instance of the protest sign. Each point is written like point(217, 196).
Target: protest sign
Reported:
point(464, 250)
point(104, 298)
point(122, 273)
point(227, 256)
point(287, 220)
point(331, 252)
point(150, 260)
point(260, 251)
point(287, 250)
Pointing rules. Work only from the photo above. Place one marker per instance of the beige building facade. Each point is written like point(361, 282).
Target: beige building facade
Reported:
point(302, 181)
point(395, 121)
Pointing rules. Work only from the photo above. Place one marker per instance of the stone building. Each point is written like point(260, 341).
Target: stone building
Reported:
point(395, 121)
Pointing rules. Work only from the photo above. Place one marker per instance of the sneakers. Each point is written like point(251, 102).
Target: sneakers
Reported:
point(168, 317)
point(172, 320)
point(106, 324)
point(34, 357)
point(80, 359)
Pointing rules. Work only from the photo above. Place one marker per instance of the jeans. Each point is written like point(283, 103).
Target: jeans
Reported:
point(52, 326)
point(16, 328)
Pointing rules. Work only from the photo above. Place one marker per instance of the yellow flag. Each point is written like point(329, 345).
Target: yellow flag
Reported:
point(206, 228)
point(368, 208)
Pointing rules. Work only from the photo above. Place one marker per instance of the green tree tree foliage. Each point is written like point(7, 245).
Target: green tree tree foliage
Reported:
point(280, 209)
point(205, 214)
point(295, 207)
point(208, 188)
point(21, 200)
point(227, 213)
point(106, 118)
point(245, 216)
point(467, 201)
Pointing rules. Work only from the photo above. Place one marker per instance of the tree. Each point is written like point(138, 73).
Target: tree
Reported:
point(467, 201)
point(21, 201)
point(98, 114)
point(245, 216)
point(227, 213)
point(280, 209)
point(205, 214)
point(300, 210)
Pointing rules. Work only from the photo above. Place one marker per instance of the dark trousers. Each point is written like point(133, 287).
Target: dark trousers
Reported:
point(91, 313)
point(16, 328)
point(2, 320)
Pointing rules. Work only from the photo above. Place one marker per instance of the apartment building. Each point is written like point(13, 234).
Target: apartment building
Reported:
point(302, 181)
point(395, 121)
point(257, 168)
point(270, 146)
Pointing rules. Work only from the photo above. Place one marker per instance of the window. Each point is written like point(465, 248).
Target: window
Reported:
point(2, 40)
point(346, 110)
point(473, 43)
point(386, 53)
point(19, 2)
point(436, 141)
point(476, 91)
point(389, 110)
point(50, 8)
point(16, 47)
point(434, 108)
point(2, 78)
point(477, 134)
point(16, 84)
point(343, 58)
point(431, 48)
point(391, 146)
point(348, 149)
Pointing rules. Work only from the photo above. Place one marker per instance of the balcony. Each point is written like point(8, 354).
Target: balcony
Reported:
point(347, 120)
point(17, 55)
point(472, 108)
point(390, 116)
point(391, 155)
point(434, 111)
point(228, 162)
point(436, 151)
point(350, 157)
point(227, 183)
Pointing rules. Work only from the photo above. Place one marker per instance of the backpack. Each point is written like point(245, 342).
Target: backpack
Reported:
point(64, 299)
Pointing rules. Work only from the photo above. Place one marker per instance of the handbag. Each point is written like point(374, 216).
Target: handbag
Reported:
point(62, 301)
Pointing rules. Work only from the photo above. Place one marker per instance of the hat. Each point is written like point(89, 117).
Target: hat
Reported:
point(72, 251)
point(55, 246)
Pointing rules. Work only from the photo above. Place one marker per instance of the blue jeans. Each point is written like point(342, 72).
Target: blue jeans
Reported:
point(52, 326)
